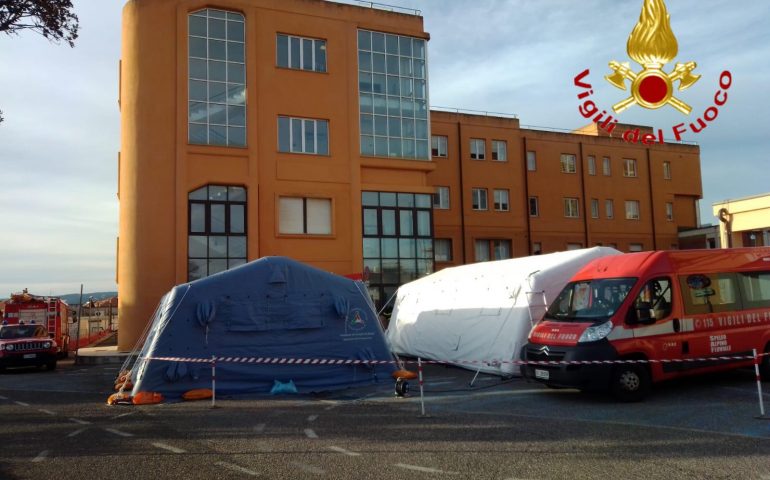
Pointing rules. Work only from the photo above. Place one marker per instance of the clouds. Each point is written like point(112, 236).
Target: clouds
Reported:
point(59, 143)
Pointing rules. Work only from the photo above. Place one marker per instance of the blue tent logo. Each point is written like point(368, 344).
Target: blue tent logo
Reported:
point(356, 320)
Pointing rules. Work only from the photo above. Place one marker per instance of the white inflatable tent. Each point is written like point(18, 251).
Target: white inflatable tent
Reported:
point(478, 316)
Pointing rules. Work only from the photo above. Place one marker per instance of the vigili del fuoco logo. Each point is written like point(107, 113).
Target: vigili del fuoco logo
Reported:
point(652, 45)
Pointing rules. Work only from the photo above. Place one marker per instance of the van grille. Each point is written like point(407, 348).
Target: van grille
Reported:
point(23, 347)
point(536, 354)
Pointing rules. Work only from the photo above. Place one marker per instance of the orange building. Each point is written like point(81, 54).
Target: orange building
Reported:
point(302, 128)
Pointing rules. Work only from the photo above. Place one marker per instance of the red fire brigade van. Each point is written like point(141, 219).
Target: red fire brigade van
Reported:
point(50, 312)
point(693, 306)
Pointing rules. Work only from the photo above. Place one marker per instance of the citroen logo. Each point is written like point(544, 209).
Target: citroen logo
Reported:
point(545, 350)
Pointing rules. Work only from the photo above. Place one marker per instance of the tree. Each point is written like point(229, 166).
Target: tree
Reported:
point(53, 19)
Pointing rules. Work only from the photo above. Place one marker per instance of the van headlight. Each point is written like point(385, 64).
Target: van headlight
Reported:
point(597, 332)
point(47, 345)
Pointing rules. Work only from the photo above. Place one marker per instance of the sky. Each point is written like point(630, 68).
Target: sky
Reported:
point(60, 138)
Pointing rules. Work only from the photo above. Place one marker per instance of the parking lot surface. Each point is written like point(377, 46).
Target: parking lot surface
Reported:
point(57, 425)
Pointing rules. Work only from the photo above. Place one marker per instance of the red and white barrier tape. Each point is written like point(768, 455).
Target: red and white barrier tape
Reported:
point(337, 361)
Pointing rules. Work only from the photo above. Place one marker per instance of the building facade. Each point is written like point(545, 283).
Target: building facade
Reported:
point(744, 222)
point(303, 128)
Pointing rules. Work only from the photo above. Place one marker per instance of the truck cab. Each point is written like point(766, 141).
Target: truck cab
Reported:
point(26, 345)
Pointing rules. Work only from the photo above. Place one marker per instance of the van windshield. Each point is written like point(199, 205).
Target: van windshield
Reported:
point(590, 300)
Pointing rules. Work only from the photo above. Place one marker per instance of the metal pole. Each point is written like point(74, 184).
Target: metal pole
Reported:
point(759, 383)
point(80, 313)
point(213, 381)
point(422, 398)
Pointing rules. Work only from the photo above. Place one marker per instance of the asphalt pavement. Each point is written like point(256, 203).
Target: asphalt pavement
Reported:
point(57, 425)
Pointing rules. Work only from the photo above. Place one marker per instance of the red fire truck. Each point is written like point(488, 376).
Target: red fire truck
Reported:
point(50, 312)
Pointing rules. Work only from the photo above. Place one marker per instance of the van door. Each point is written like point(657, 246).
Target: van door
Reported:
point(712, 302)
point(657, 328)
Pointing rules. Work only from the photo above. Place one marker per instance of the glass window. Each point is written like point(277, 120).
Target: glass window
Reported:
point(591, 165)
point(667, 170)
point(441, 198)
point(574, 246)
point(438, 146)
point(477, 149)
point(534, 207)
point(669, 211)
point(655, 295)
point(499, 150)
point(301, 53)
point(391, 68)
point(571, 208)
point(298, 135)
point(442, 248)
point(755, 287)
point(635, 247)
point(629, 167)
point(479, 198)
point(217, 81)
point(632, 210)
point(217, 230)
point(609, 208)
point(531, 161)
point(304, 216)
point(594, 208)
point(402, 249)
point(486, 250)
point(606, 166)
point(501, 200)
point(710, 293)
point(568, 163)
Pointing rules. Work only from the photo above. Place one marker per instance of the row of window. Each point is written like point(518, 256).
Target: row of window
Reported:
point(725, 292)
point(568, 162)
point(496, 249)
point(571, 205)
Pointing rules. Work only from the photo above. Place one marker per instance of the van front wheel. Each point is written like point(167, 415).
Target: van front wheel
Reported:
point(630, 382)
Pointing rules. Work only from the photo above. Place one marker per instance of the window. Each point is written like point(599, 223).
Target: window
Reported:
point(537, 248)
point(501, 200)
point(629, 167)
point(393, 96)
point(534, 207)
point(756, 289)
point(478, 148)
point(438, 146)
point(571, 206)
point(486, 250)
point(591, 165)
point(609, 208)
point(301, 53)
point(216, 78)
point(635, 247)
point(709, 293)
point(574, 246)
point(303, 135)
point(667, 170)
point(655, 295)
point(479, 198)
point(216, 238)
point(499, 150)
point(398, 244)
point(304, 216)
point(441, 198)
point(568, 163)
point(669, 211)
point(442, 248)
point(594, 208)
point(531, 161)
point(632, 210)
point(606, 166)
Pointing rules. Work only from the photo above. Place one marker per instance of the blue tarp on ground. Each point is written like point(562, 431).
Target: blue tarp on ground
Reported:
point(271, 307)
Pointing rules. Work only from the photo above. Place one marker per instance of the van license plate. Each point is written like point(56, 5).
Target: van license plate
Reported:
point(30, 355)
point(543, 374)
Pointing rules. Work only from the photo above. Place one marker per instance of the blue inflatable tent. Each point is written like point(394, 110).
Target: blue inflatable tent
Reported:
point(271, 320)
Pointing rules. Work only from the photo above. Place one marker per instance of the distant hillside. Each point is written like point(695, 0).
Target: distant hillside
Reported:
point(74, 298)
